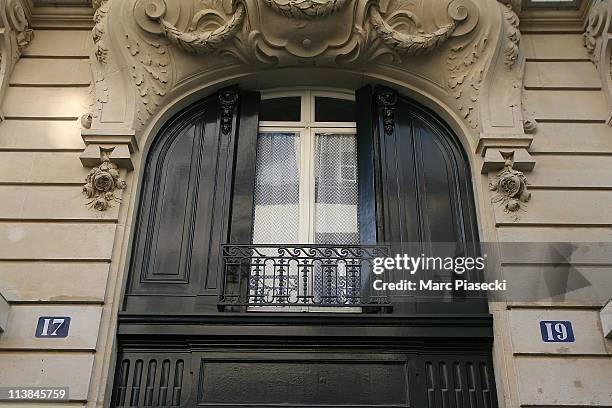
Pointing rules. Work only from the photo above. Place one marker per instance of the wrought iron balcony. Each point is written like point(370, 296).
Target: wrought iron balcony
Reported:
point(300, 277)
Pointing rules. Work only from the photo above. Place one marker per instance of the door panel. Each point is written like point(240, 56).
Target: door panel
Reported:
point(420, 181)
point(189, 204)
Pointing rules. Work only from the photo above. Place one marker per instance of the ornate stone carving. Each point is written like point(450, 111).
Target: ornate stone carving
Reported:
point(101, 184)
point(227, 101)
point(306, 9)
point(438, 48)
point(510, 186)
point(415, 44)
point(387, 101)
point(15, 36)
point(98, 32)
point(150, 74)
point(465, 75)
point(197, 41)
point(598, 41)
point(513, 36)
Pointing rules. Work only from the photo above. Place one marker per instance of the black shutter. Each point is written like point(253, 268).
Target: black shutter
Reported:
point(413, 165)
point(191, 203)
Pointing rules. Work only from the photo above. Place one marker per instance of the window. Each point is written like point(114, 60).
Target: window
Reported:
point(306, 179)
point(306, 192)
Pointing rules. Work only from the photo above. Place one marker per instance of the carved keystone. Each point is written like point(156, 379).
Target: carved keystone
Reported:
point(496, 159)
point(118, 145)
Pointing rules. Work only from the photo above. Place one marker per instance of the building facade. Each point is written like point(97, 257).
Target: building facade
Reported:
point(193, 195)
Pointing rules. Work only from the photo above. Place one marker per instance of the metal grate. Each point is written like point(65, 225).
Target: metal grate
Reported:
point(289, 276)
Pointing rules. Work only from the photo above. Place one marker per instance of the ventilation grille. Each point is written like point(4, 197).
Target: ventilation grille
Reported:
point(459, 384)
point(149, 381)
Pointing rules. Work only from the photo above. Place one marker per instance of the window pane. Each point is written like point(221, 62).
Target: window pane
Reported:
point(277, 189)
point(281, 109)
point(334, 110)
point(336, 194)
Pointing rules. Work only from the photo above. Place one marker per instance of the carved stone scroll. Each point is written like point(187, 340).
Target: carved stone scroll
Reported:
point(196, 41)
point(416, 44)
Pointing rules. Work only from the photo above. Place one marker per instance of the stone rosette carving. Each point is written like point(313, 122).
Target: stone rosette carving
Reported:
point(101, 184)
point(510, 186)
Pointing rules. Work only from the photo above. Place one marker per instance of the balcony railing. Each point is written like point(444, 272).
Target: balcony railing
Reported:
point(300, 277)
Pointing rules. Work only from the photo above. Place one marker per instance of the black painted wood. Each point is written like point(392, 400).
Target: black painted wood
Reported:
point(226, 371)
point(191, 204)
point(176, 350)
point(423, 195)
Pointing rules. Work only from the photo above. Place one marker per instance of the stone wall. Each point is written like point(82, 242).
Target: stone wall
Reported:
point(60, 258)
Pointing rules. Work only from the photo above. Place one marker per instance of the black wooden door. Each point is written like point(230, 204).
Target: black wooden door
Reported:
point(186, 211)
point(416, 179)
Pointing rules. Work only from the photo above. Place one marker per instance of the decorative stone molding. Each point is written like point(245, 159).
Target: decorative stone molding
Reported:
point(306, 9)
point(598, 41)
point(15, 36)
point(513, 36)
point(416, 44)
point(510, 187)
point(117, 146)
point(102, 182)
point(107, 152)
point(465, 54)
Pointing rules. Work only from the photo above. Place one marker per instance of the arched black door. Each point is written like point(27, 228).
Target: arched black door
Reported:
point(183, 342)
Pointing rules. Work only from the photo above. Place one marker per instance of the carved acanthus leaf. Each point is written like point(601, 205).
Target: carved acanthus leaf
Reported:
point(465, 76)
point(150, 61)
point(306, 9)
point(513, 36)
point(98, 32)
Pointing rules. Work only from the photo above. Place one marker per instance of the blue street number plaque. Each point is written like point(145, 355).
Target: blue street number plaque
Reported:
point(53, 327)
point(557, 331)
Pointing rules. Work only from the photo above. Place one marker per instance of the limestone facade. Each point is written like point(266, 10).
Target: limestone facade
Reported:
point(83, 90)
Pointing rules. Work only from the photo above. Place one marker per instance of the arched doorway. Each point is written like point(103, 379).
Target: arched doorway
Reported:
point(196, 329)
